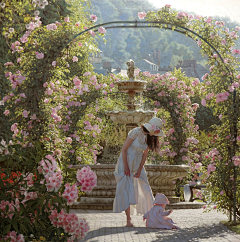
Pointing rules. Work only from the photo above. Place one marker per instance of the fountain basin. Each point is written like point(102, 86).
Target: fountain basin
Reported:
point(131, 85)
point(131, 117)
point(160, 179)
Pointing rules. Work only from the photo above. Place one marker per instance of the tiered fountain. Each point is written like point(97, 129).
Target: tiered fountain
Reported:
point(131, 117)
point(160, 177)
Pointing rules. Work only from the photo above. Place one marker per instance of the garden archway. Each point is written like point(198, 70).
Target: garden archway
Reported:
point(178, 23)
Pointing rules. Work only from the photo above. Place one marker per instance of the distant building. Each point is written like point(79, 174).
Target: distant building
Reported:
point(155, 62)
point(165, 61)
point(146, 65)
point(103, 65)
point(192, 69)
point(96, 58)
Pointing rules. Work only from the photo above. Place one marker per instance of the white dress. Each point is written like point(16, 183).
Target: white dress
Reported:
point(157, 218)
point(130, 190)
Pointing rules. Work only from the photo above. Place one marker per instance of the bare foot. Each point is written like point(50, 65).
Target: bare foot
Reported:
point(129, 223)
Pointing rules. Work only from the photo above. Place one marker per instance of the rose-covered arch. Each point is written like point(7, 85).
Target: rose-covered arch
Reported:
point(212, 44)
point(220, 92)
point(172, 91)
point(43, 58)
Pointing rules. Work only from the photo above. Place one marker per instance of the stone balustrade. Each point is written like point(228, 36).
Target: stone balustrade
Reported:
point(160, 179)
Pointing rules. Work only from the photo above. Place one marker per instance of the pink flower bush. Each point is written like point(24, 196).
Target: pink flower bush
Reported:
point(88, 73)
point(210, 168)
point(53, 176)
point(70, 193)
point(222, 97)
point(205, 76)
point(10, 211)
point(51, 27)
point(195, 82)
point(14, 237)
point(87, 178)
point(70, 223)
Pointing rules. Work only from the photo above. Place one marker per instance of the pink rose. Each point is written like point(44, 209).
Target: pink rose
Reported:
point(69, 140)
point(141, 15)
point(199, 42)
point(74, 59)
point(39, 55)
point(6, 112)
point(203, 102)
point(25, 114)
point(93, 17)
point(102, 30)
point(67, 19)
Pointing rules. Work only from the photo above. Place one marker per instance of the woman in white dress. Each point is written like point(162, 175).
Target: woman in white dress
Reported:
point(132, 183)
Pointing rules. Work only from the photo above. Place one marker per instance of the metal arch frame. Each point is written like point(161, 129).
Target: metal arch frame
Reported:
point(182, 30)
point(150, 24)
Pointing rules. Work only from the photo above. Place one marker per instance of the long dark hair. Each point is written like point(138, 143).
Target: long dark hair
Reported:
point(152, 141)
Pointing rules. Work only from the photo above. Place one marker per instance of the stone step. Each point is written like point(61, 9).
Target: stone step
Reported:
point(101, 200)
point(174, 199)
point(109, 206)
point(185, 205)
point(93, 206)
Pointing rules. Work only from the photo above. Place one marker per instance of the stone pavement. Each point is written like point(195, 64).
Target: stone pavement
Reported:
point(195, 225)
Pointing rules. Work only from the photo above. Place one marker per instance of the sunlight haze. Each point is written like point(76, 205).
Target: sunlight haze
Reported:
point(230, 8)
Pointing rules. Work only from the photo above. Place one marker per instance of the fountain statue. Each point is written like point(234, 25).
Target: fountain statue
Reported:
point(160, 177)
point(131, 68)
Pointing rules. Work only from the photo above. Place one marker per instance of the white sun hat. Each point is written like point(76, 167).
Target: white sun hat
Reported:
point(154, 126)
point(161, 199)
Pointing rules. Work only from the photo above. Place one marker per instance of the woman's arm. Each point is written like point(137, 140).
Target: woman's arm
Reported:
point(144, 157)
point(126, 144)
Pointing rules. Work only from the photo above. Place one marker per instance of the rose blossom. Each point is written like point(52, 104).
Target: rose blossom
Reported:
point(141, 15)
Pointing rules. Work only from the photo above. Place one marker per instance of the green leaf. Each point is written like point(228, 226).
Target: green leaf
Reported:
point(25, 219)
point(24, 229)
point(15, 225)
point(6, 229)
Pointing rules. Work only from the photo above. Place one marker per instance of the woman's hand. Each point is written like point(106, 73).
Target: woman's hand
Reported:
point(126, 170)
point(138, 173)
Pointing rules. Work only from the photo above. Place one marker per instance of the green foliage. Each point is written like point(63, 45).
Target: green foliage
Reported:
point(219, 148)
point(30, 215)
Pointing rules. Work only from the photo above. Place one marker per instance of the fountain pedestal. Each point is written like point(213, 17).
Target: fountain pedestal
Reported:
point(160, 179)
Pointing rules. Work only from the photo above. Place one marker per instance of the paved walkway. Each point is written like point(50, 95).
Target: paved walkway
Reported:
point(195, 225)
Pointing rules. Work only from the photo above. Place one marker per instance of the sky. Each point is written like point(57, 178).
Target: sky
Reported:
point(225, 8)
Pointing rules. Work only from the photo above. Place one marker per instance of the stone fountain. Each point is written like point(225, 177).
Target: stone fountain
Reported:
point(131, 117)
point(160, 177)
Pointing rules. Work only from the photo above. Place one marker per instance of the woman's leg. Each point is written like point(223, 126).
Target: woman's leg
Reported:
point(127, 211)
